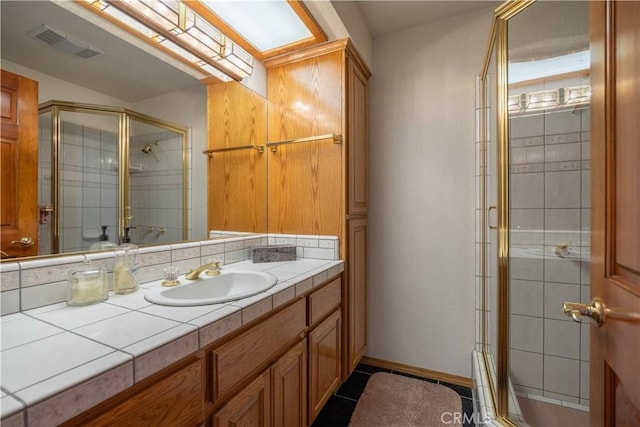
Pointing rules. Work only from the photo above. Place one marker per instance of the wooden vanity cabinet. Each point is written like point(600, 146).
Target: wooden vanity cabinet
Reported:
point(250, 407)
point(176, 400)
point(325, 344)
point(278, 371)
point(289, 387)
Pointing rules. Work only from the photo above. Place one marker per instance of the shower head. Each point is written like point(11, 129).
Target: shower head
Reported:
point(147, 147)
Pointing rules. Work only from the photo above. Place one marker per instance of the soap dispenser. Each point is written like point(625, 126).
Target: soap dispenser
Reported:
point(103, 241)
point(126, 263)
point(87, 284)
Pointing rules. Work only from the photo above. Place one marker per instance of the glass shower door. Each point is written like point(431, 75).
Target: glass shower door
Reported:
point(87, 181)
point(156, 183)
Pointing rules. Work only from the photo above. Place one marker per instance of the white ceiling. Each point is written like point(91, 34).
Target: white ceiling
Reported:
point(128, 73)
point(383, 17)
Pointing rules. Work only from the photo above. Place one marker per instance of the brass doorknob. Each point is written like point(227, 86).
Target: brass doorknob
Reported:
point(25, 242)
point(597, 312)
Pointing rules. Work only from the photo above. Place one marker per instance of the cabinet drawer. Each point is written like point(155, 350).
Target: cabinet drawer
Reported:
point(324, 301)
point(240, 357)
point(175, 400)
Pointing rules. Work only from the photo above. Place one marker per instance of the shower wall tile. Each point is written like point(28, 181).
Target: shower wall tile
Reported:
point(527, 333)
point(527, 269)
point(563, 152)
point(555, 295)
point(526, 126)
point(561, 376)
point(562, 338)
point(585, 269)
point(562, 219)
point(559, 398)
point(527, 298)
point(562, 122)
point(526, 369)
point(585, 291)
point(562, 270)
point(562, 189)
point(586, 189)
point(527, 190)
point(584, 341)
point(584, 380)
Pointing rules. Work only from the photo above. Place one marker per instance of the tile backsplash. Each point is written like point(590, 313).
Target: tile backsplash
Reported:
point(38, 282)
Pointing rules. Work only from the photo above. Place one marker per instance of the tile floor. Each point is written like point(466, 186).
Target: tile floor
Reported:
point(337, 412)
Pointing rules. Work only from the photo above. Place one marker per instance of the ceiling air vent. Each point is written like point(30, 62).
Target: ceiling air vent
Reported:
point(47, 35)
point(62, 43)
point(87, 53)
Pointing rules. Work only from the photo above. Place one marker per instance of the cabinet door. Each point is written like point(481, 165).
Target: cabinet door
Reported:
point(357, 292)
point(357, 141)
point(289, 376)
point(175, 400)
point(250, 407)
point(324, 363)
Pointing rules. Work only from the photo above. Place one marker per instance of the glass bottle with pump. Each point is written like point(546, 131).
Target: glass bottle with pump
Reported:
point(126, 264)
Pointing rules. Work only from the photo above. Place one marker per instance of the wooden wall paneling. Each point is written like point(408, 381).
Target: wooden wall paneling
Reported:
point(236, 180)
point(306, 190)
point(237, 191)
point(304, 181)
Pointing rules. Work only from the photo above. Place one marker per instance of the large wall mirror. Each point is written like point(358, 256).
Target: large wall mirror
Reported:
point(537, 176)
point(168, 124)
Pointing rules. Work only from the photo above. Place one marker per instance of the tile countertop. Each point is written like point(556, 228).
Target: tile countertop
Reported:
point(59, 361)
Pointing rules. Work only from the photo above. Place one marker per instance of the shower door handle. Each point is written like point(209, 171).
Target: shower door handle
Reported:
point(491, 208)
point(598, 312)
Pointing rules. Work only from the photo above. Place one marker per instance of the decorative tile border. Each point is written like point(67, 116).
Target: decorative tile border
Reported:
point(47, 277)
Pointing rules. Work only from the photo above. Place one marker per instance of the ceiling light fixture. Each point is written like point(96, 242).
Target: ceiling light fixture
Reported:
point(173, 25)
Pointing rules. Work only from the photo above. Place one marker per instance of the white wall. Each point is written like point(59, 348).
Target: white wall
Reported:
point(51, 88)
point(422, 189)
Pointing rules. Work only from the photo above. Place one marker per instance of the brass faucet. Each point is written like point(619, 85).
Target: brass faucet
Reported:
point(212, 269)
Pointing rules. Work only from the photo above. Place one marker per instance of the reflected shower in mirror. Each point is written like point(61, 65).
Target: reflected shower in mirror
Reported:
point(89, 199)
point(119, 75)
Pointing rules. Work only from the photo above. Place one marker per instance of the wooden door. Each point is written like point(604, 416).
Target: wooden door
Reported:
point(250, 407)
point(19, 175)
point(289, 376)
point(615, 263)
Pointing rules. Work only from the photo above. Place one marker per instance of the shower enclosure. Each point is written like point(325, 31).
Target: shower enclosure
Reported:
point(533, 208)
point(109, 167)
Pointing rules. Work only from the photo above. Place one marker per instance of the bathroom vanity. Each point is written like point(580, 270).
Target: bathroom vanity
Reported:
point(270, 359)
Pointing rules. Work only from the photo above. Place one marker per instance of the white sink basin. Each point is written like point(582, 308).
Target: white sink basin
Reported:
point(228, 286)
